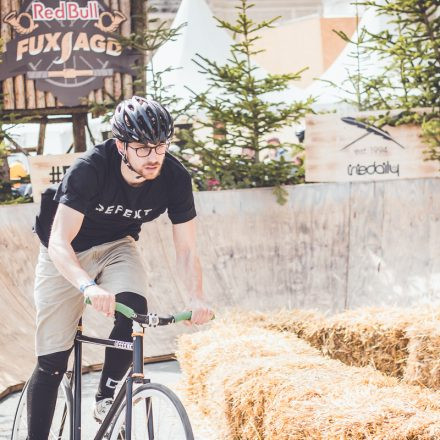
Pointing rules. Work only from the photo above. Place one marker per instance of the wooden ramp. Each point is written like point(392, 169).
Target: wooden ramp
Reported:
point(330, 247)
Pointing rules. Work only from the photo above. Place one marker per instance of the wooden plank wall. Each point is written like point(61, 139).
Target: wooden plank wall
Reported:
point(332, 246)
point(394, 253)
point(20, 93)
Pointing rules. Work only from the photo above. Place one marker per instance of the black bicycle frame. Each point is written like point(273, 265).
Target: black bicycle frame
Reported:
point(135, 375)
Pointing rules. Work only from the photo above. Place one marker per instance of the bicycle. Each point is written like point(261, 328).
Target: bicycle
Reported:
point(146, 411)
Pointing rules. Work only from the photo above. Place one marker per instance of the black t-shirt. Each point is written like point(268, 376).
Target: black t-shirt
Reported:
point(112, 208)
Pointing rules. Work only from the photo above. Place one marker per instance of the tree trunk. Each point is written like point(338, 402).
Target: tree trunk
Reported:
point(4, 169)
point(4, 166)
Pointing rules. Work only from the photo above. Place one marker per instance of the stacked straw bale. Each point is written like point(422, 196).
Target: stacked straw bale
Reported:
point(296, 321)
point(423, 366)
point(259, 384)
point(365, 337)
point(396, 341)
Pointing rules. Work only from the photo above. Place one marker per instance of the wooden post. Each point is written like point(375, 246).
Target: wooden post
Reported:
point(117, 76)
point(19, 88)
point(30, 94)
point(108, 81)
point(50, 99)
point(8, 84)
point(91, 97)
point(41, 136)
point(139, 24)
point(4, 166)
point(98, 96)
point(40, 99)
point(20, 94)
point(79, 131)
point(117, 83)
point(4, 169)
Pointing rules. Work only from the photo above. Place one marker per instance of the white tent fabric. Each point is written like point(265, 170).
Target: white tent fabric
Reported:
point(200, 36)
point(329, 97)
point(340, 8)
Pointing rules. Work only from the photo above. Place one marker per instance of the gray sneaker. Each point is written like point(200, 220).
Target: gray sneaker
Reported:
point(101, 409)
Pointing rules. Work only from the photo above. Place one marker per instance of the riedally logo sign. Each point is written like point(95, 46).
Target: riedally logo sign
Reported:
point(375, 167)
point(365, 146)
point(67, 47)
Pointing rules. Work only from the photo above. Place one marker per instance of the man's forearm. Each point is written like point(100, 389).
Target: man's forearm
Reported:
point(190, 272)
point(66, 261)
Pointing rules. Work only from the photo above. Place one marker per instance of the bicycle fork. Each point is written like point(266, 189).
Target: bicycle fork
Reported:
point(137, 374)
point(76, 428)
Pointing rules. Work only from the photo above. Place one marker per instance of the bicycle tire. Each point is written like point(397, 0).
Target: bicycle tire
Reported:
point(168, 423)
point(61, 423)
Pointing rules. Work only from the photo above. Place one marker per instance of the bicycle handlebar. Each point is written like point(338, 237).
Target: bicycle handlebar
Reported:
point(150, 319)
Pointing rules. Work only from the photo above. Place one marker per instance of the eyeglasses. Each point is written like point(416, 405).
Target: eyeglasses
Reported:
point(146, 151)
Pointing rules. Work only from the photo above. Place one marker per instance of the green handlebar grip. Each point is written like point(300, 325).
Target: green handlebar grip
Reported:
point(128, 312)
point(121, 308)
point(183, 316)
point(186, 316)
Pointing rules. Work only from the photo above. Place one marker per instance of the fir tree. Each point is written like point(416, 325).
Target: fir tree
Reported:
point(409, 53)
point(242, 117)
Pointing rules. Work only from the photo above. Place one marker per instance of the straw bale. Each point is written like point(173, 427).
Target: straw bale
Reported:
point(358, 337)
point(260, 384)
point(365, 337)
point(377, 337)
point(423, 366)
point(251, 388)
point(357, 412)
point(295, 320)
point(199, 357)
point(370, 336)
point(204, 355)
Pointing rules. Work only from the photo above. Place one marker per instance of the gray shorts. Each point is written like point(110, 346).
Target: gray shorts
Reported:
point(115, 266)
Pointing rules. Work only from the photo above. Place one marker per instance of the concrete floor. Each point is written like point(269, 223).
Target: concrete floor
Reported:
point(166, 373)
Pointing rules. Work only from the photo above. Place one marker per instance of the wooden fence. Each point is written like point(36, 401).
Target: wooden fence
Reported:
point(331, 247)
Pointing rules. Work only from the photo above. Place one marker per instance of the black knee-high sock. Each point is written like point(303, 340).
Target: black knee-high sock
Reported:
point(116, 361)
point(42, 393)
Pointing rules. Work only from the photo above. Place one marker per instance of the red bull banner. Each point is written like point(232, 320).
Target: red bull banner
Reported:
point(66, 47)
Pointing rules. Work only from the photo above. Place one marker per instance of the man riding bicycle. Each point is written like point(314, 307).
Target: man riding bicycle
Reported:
point(88, 229)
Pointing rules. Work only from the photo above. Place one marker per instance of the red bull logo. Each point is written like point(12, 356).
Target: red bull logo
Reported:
point(65, 11)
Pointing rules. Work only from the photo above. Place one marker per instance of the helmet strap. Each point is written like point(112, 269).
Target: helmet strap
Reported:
point(125, 160)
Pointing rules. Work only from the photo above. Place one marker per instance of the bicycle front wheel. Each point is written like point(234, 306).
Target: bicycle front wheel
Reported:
point(157, 414)
point(61, 423)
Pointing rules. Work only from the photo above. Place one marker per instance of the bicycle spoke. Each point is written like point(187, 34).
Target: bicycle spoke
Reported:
point(157, 415)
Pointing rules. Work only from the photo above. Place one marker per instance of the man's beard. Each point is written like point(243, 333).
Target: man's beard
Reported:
point(146, 173)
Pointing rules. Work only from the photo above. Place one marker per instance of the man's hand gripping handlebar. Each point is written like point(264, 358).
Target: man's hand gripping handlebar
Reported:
point(150, 319)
